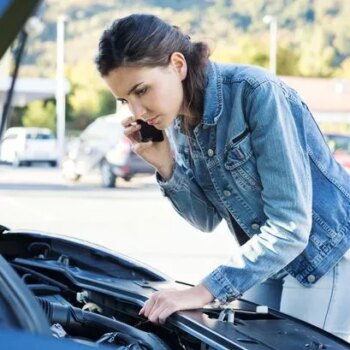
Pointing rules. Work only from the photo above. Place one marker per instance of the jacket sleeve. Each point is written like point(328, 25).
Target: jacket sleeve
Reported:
point(188, 198)
point(278, 141)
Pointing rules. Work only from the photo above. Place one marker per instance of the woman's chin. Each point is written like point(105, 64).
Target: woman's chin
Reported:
point(161, 125)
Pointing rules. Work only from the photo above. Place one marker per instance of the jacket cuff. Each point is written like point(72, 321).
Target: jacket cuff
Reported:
point(174, 183)
point(220, 287)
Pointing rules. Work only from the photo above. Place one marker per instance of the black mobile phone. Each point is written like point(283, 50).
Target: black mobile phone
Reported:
point(149, 132)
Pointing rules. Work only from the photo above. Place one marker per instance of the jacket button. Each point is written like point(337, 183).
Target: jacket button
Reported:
point(255, 226)
point(227, 193)
point(210, 152)
point(311, 278)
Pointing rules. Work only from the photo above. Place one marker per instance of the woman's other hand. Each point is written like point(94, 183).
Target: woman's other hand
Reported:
point(165, 302)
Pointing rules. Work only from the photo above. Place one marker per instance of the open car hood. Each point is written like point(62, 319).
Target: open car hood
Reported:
point(88, 292)
point(13, 15)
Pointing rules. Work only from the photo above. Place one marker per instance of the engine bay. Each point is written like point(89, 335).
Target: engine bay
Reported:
point(90, 295)
point(91, 317)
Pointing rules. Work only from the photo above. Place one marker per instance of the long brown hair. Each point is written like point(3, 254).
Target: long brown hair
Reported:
point(146, 40)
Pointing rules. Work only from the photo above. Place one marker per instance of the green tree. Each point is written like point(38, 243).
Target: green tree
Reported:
point(40, 114)
point(88, 98)
point(317, 54)
point(107, 102)
point(344, 70)
point(287, 60)
point(246, 50)
point(85, 84)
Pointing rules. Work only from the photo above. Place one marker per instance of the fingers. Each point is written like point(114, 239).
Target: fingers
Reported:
point(141, 147)
point(130, 128)
point(130, 132)
point(128, 121)
point(158, 308)
point(162, 312)
point(148, 306)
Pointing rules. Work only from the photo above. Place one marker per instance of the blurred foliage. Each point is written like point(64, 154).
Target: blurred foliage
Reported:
point(313, 40)
point(40, 114)
point(85, 83)
point(344, 69)
point(88, 98)
point(341, 128)
point(316, 33)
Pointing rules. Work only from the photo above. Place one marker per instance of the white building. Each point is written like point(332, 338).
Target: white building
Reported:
point(328, 99)
point(26, 89)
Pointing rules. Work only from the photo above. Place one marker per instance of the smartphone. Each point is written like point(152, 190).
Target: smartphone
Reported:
point(149, 132)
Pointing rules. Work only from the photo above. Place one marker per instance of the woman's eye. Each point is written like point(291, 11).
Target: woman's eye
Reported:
point(141, 91)
point(122, 101)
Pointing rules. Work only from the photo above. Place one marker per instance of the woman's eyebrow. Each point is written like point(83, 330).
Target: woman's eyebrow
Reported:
point(133, 88)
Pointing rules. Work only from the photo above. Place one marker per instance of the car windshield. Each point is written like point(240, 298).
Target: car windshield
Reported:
point(39, 136)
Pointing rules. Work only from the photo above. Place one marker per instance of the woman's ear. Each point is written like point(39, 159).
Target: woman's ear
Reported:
point(178, 62)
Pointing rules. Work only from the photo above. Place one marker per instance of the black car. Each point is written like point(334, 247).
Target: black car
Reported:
point(77, 292)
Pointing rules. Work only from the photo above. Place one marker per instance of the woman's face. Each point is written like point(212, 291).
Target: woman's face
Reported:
point(154, 94)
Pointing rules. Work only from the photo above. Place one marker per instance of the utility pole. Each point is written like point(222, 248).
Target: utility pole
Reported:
point(60, 90)
point(272, 21)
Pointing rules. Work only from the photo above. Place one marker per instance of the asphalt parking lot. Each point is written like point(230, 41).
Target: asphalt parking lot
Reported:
point(134, 219)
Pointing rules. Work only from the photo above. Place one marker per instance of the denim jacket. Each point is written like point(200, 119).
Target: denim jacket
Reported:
point(258, 158)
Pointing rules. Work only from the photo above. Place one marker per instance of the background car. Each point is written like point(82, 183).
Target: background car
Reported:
point(103, 145)
point(340, 146)
point(24, 145)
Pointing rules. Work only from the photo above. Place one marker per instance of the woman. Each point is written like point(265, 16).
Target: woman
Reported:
point(247, 151)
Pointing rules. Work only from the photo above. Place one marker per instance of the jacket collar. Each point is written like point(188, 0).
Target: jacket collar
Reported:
point(213, 101)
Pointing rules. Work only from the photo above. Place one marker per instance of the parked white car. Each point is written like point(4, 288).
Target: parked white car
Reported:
point(24, 145)
point(103, 145)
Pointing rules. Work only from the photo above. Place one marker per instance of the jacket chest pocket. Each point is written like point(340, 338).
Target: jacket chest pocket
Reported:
point(240, 162)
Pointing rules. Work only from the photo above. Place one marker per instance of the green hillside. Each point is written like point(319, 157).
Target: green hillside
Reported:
point(313, 40)
point(313, 36)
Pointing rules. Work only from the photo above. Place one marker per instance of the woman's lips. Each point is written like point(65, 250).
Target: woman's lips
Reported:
point(152, 121)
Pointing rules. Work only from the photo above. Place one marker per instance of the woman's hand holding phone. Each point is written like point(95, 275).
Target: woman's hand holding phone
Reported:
point(157, 153)
point(149, 132)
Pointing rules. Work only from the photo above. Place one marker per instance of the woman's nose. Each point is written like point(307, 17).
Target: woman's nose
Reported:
point(137, 109)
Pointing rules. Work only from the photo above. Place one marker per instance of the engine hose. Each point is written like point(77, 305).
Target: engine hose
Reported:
point(75, 319)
